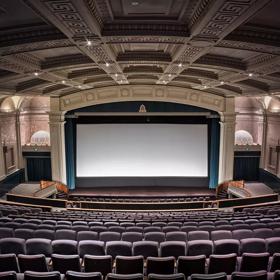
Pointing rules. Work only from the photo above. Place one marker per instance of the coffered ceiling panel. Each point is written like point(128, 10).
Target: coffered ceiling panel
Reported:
point(57, 47)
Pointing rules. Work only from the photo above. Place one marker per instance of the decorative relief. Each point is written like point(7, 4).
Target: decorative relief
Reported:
point(189, 53)
point(125, 92)
point(30, 47)
point(172, 94)
point(67, 14)
point(226, 16)
point(256, 47)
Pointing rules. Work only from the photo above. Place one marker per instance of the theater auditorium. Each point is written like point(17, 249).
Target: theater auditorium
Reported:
point(139, 139)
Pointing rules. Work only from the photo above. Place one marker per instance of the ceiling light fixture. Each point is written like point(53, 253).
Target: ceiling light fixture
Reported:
point(107, 64)
point(89, 43)
point(79, 86)
point(222, 82)
point(250, 74)
point(36, 74)
point(63, 81)
point(169, 75)
point(180, 65)
point(116, 75)
point(134, 3)
point(204, 87)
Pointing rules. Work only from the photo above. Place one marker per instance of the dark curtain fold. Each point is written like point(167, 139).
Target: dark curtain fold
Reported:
point(70, 153)
point(38, 169)
point(246, 166)
point(214, 153)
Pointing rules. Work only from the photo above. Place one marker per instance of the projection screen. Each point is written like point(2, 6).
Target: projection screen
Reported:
point(142, 150)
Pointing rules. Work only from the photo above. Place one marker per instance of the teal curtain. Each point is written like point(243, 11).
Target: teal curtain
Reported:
point(70, 152)
point(214, 153)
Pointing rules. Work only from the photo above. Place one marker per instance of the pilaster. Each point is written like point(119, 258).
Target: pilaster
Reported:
point(57, 142)
point(2, 163)
point(20, 162)
point(227, 130)
point(264, 142)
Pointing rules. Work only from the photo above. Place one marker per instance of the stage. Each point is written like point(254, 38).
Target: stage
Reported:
point(143, 191)
point(255, 188)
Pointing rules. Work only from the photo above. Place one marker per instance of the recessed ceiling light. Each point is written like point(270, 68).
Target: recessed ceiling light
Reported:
point(204, 87)
point(89, 43)
point(250, 74)
point(36, 73)
point(222, 82)
point(169, 75)
point(180, 64)
point(79, 86)
point(63, 81)
point(116, 75)
point(107, 64)
point(134, 3)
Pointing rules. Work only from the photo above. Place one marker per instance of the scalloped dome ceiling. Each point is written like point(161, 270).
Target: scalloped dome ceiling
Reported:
point(55, 48)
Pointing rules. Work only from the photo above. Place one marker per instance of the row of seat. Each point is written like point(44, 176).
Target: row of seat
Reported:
point(6, 209)
point(133, 236)
point(187, 265)
point(141, 199)
point(160, 224)
point(148, 216)
point(73, 275)
point(141, 227)
point(275, 209)
point(144, 248)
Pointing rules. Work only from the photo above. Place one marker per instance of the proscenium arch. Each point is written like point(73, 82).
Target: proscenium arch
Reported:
point(143, 93)
point(220, 104)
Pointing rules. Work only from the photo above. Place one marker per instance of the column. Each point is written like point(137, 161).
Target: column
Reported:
point(226, 161)
point(19, 157)
point(57, 142)
point(227, 130)
point(2, 163)
point(264, 142)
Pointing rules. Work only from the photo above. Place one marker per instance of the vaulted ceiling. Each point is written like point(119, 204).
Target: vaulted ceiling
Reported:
point(59, 47)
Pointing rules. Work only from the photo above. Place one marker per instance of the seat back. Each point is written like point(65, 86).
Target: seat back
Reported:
point(129, 265)
point(121, 248)
point(189, 265)
point(63, 263)
point(75, 275)
point(32, 262)
point(254, 262)
point(32, 275)
point(222, 263)
point(160, 265)
point(101, 264)
point(145, 249)
point(64, 247)
point(172, 249)
point(36, 246)
point(8, 262)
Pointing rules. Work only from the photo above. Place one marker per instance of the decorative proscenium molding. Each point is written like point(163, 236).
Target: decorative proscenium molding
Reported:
point(142, 93)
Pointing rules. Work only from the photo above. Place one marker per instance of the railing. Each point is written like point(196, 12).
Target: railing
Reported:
point(37, 201)
point(162, 206)
point(246, 201)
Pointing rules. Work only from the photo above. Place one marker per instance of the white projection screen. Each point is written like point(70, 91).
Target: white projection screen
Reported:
point(142, 150)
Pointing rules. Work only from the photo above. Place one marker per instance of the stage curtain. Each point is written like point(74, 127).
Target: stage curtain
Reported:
point(214, 153)
point(246, 166)
point(38, 168)
point(70, 153)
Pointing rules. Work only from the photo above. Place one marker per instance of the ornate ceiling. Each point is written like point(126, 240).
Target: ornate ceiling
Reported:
point(59, 47)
